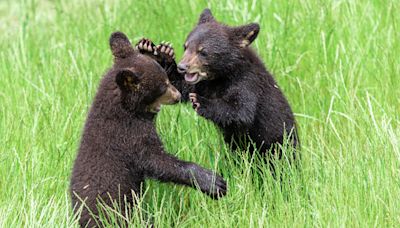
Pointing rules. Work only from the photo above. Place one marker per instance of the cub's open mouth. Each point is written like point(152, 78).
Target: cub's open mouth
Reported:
point(195, 76)
point(192, 78)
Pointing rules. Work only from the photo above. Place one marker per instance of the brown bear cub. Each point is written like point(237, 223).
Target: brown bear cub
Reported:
point(120, 147)
point(228, 84)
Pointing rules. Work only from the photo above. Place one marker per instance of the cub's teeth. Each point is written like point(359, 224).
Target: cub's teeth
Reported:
point(141, 45)
point(155, 52)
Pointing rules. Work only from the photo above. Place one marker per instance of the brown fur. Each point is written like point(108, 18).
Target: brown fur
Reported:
point(228, 84)
point(120, 147)
point(232, 87)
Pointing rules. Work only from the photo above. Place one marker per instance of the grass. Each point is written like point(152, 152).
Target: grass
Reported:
point(338, 63)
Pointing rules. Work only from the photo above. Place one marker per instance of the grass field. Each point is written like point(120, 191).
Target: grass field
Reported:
point(338, 63)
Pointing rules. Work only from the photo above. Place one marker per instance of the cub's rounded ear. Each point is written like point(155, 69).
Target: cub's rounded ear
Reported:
point(246, 34)
point(127, 80)
point(205, 16)
point(120, 45)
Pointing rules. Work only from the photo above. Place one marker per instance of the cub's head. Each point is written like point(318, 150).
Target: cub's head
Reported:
point(212, 47)
point(143, 84)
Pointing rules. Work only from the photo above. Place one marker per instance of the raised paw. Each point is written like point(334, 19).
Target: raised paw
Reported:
point(195, 102)
point(166, 51)
point(146, 46)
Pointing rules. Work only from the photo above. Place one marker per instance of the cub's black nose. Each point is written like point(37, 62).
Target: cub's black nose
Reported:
point(182, 68)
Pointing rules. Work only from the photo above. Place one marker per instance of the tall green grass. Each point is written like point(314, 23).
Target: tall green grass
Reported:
point(338, 63)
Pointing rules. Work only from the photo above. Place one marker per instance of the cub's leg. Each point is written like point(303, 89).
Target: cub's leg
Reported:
point(167, 168)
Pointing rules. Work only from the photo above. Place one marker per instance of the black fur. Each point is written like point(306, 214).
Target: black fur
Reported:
point(238, 94)
point(120, 147)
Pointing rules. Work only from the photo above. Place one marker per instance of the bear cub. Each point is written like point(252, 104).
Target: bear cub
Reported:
point(228, 84)
point(232, 87)
point(120, 147)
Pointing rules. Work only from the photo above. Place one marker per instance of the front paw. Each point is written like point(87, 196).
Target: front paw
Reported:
point(147, 47)
point(166, 51)
point(210, 183)
point(218, 187)
point(195, 101)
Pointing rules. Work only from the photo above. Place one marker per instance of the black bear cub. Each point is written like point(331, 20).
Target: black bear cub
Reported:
point(232, 87)
point(120, 147)
point(228, 84)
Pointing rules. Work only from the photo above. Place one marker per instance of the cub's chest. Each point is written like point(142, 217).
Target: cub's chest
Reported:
point(211, 90)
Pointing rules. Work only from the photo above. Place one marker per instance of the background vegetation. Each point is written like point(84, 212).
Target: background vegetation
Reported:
point(338, 63)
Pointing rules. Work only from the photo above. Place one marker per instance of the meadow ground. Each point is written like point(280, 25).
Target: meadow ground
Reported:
point(338, 63)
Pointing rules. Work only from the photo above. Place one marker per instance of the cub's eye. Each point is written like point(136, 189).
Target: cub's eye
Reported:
point(184, 47)
point(202, 52)
point(161, 90)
